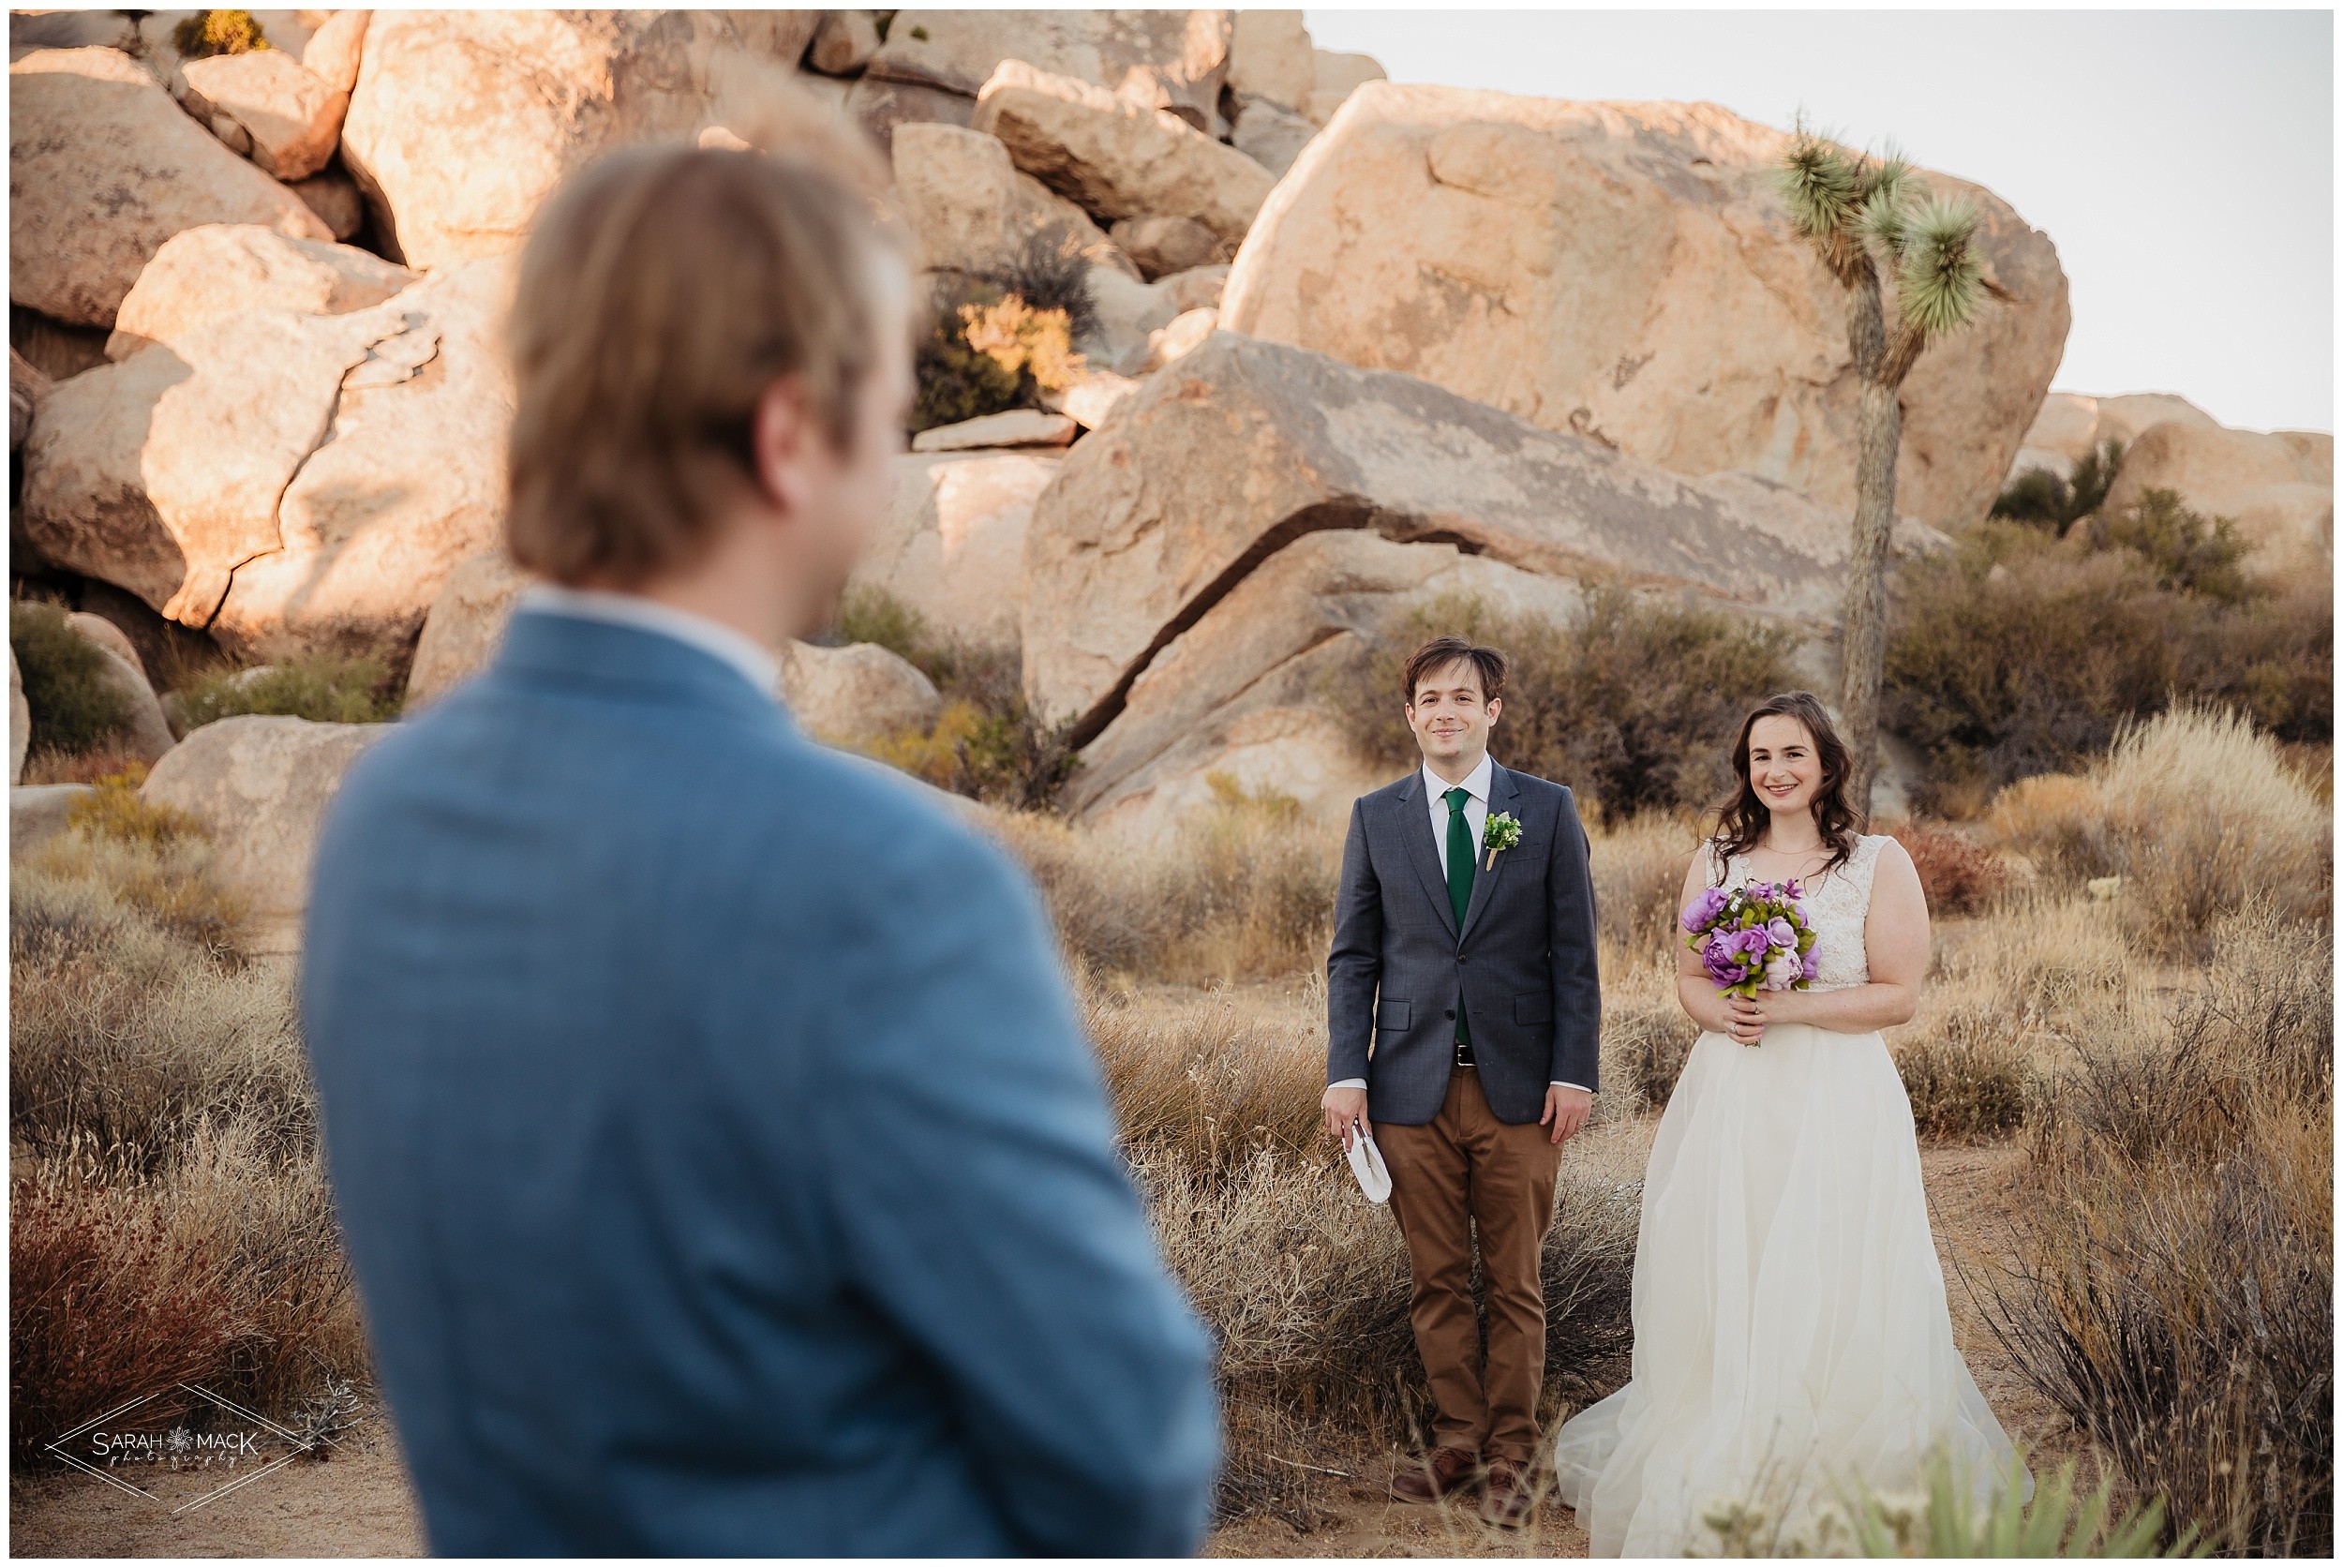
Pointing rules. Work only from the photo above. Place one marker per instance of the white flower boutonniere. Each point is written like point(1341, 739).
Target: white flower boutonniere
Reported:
point(1501, 831)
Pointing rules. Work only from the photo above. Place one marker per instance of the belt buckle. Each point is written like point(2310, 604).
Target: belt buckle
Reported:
point(1462, 1053)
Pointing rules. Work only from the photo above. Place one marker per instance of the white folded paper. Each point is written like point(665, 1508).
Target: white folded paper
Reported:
point(1367, 1163)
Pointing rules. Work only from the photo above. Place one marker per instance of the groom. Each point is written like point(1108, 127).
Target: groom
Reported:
point(1462, 1013)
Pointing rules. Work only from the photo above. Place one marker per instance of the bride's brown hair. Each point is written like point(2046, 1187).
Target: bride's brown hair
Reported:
point(1743, 818)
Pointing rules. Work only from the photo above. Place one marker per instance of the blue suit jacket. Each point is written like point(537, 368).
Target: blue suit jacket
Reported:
point(1521, 964)
point(719, 1153)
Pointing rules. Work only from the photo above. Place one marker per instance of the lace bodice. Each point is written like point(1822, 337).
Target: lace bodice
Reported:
point(1837, 905)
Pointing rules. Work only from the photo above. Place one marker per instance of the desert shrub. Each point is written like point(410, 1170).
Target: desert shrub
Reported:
point(172, 1217)
point(208, 33)
point(1049, 273)
point(987, 742)
point(170, 883)
point(328, 691)
point(1959, 876)
point(128, 1036)
point(1637, 867)
point(2202, 817)
point(2176, 1291)
point(1245, 889)
point(1966, 1074)
point(1633, 706)
point(2183, 550)
point(2182, 1313)
point(2044, 500)
point(105, 1303)
point(990, 349)
point(73, 706)
point(2017, 654)
point(116, 809)
point(43, 766)
point(1653, 1043)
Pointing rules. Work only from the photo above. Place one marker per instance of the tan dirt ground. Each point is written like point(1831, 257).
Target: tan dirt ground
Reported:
point(358, 1503)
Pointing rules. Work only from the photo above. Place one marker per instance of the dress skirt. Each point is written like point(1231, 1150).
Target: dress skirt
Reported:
point(1792, 1338)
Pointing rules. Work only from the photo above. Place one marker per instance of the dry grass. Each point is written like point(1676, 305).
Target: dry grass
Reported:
point(2176, 1297)
point(1246, 893)
point(2196, 811)
point(171, 1214)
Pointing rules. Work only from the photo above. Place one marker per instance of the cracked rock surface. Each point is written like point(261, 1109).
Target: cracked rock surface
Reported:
point(293, 483)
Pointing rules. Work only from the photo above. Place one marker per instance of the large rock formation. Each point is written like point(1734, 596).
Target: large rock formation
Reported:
point(855, 693)
point(1243, 447)
point(465, 624)
point(205, 274)
point(462, 122)
point(1116, 158)
point(260, 787)
point(103, 168)
point(147, 735)
point(1170, 60)
point(2279, 489)
point(952, 546)
point(291, 119)
point(27, 385)
point(2070, 426)
point(1245, 691)
point(294, 482)
point(1625, 272)
point(1270, 57)
point(971, 210)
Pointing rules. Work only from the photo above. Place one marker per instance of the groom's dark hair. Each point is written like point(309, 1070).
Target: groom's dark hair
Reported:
point(1440, 652)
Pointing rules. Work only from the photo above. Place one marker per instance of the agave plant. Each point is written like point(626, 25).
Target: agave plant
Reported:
point(1877, 227)
point(2052, 1524)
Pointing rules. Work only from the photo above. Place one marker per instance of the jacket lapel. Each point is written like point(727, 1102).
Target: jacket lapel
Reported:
point(1503, 787)
point(1416, 832)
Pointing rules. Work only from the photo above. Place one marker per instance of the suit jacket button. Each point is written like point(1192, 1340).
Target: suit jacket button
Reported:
point(1451, 1012)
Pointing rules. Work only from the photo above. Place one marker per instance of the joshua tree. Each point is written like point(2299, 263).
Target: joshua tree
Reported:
point(1867, 217)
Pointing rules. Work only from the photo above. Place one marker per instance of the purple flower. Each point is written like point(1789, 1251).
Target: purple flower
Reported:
point(1721, 957)
point(1810, 968)
point(1702, 912)
point(1782, 934)
point(1753, 940)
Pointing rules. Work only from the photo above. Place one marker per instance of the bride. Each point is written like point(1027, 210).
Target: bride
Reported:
point(1792, 1340)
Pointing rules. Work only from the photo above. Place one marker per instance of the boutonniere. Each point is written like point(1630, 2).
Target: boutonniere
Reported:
point(1501, 831)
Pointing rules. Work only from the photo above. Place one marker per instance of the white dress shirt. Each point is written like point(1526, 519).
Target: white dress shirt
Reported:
point(735, 648)
point(1476, 811)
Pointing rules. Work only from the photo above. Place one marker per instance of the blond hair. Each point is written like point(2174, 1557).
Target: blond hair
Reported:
point(661, 291)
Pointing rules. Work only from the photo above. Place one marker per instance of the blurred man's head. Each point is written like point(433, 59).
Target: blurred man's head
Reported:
point(712, 364)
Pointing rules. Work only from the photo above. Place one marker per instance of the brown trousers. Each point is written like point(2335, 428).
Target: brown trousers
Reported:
point(1464, 1169)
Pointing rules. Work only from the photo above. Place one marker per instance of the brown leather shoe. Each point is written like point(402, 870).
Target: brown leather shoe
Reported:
point(1426, 1480)
point(1507, 1496)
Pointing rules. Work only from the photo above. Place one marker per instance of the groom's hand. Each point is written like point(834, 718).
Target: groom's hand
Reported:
point(1566, 1111)
point(1344, 1109)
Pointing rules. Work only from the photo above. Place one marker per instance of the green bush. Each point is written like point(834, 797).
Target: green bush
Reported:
point(986, 743)
point(1633, 706)
point(73, 706)
point(2041, 497)
point(2018, 653)
point(329, 691)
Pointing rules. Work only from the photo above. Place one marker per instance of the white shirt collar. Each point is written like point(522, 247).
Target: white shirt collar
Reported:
point(1475, 783)
point(742, 652)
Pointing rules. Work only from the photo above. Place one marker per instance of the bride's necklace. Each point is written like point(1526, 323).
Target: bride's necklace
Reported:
point(1808, 861)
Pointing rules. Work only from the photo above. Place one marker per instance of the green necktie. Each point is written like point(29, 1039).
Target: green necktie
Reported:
point(1460, 865)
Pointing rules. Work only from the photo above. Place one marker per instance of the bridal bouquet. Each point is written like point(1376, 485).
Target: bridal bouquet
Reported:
point(1752, 938)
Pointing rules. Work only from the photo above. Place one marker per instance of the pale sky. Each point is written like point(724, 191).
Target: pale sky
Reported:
point(2181, 161)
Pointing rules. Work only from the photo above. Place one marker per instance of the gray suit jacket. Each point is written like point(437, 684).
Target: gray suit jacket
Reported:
point(1522, 966)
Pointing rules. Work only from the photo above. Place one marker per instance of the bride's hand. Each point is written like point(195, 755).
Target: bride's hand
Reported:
point(1746, 1018)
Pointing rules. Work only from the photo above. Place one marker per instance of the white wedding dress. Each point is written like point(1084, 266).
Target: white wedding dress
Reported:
point(1791, 1333)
